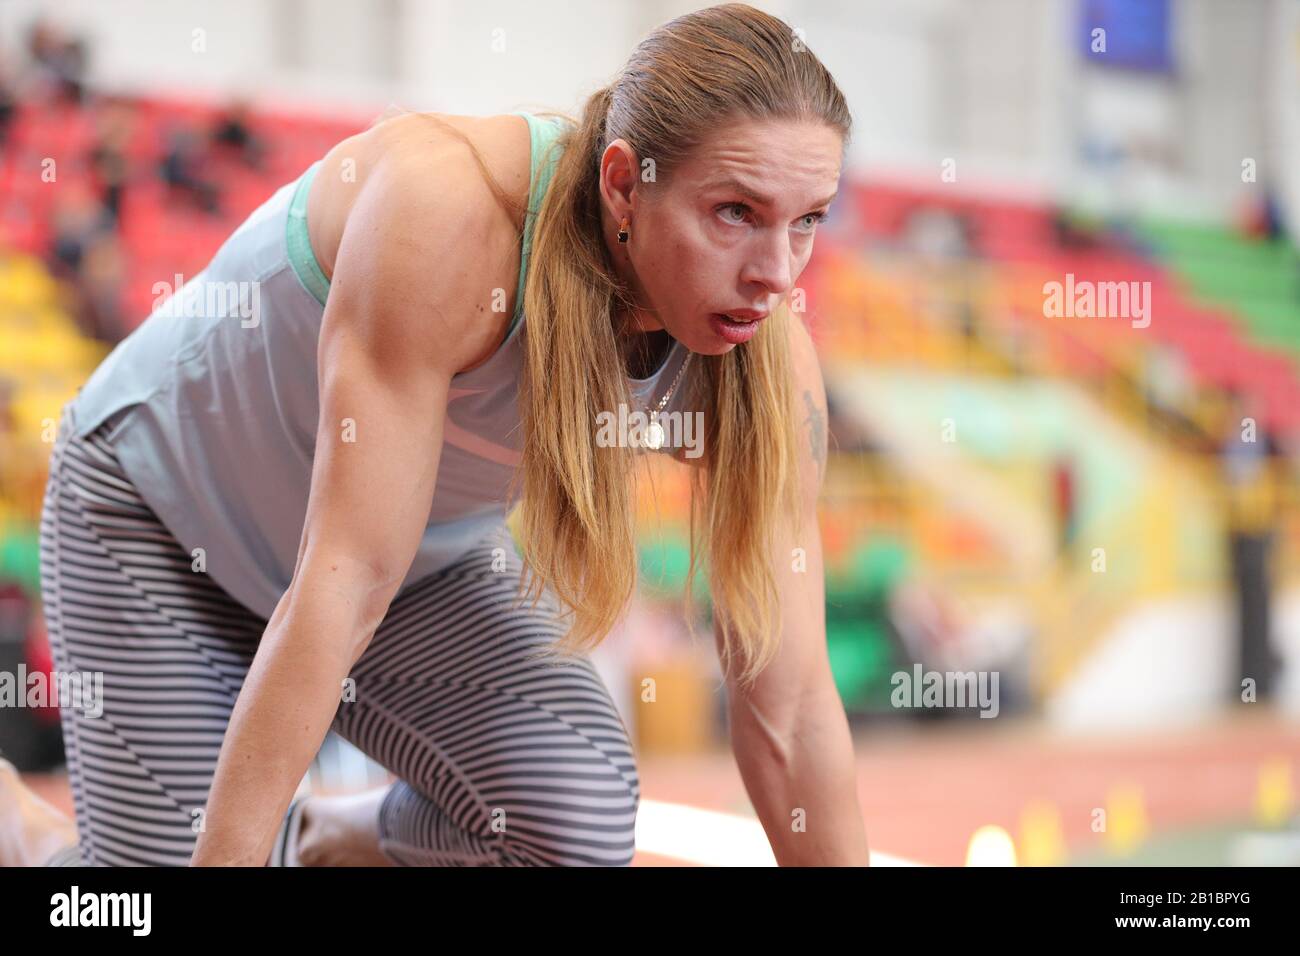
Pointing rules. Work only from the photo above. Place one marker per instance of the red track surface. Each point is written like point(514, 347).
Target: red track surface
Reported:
point(925, 792)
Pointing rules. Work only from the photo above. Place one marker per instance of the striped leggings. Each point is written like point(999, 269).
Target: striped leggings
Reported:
point(500, 760)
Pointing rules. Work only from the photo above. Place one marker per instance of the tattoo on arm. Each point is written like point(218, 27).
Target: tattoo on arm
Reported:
point(816, 423)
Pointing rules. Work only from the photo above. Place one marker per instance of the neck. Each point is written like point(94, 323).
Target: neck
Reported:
point(643, 340)
point(643, 351)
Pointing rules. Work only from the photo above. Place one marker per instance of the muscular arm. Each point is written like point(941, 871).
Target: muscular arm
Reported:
point(789, 733)
point(394, 331)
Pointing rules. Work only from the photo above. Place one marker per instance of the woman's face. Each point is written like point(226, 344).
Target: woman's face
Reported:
point(731, 233)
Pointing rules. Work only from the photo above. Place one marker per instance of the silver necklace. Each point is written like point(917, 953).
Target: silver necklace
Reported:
point(654, 433)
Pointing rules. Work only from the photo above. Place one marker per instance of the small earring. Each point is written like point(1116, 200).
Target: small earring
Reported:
point(622, 230)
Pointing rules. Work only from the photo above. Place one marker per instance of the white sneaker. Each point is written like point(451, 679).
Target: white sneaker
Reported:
point(285, 850)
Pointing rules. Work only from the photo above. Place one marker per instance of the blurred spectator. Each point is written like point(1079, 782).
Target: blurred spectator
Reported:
point(72, 71)
point(108, 158)
point(1166, 383)
point(1262, 218)
point(182, 170)
point(78, 218)
point(1248, 459)
point(8, 390)
point(1072, 230)
point(84, 253)
point(233, 130)
point(8, 103)
point(925, 624)
point(1265, 220)
point(99, 287)
point(942, 239)
point(43, 43)
point(1065, 503)
point(937, 233)
point(58, 62)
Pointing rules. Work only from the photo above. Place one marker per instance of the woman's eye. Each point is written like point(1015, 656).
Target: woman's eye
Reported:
point(812, 219)
point(809, 221)
point(734, 205)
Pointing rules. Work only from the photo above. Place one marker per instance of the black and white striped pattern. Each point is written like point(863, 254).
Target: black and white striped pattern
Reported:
point(501, 759)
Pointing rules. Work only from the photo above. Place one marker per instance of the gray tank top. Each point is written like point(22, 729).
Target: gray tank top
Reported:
point(212, 403)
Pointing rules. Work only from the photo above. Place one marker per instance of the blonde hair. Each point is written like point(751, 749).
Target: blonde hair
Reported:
point(577, 518)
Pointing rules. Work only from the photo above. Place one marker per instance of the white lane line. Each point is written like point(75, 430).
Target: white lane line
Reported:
point(710, 838)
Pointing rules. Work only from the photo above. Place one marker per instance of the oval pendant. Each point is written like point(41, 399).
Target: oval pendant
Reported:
point(654, 435)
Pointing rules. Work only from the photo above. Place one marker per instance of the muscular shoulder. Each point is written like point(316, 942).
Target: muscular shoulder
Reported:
point(430, 155)
point(407, 204)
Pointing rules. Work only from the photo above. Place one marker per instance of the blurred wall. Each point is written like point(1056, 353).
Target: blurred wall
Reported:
point(999, 86)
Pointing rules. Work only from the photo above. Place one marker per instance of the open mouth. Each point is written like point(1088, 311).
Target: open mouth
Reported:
point(735, 330)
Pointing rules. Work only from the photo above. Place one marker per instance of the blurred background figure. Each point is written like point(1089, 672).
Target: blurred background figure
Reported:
point(59, 62)
point(183, 169)
point(1063, 497)
point(1263, 219)
point(233, 131)
point(84, 253)
point(8, 102)
point(1250, 474)
point(108, 160)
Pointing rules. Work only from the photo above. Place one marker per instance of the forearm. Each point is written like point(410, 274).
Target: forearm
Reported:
point(803, 785)
point(289, 699)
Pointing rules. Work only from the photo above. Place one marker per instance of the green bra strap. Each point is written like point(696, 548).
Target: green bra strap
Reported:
point(543, 133)
point(543, 160)
point(301, 257)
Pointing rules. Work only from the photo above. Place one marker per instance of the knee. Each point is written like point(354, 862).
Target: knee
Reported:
point(527, 817)
point(568, 818)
